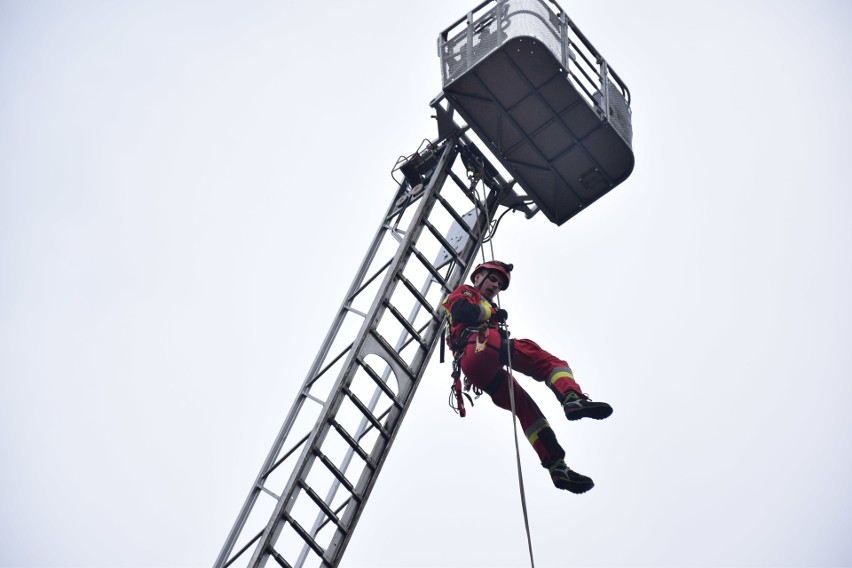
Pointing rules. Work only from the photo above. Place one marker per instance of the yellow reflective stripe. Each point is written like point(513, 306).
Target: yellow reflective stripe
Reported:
point(534, 430)
point(487, 307)
point(560, 374)
point(447, 311)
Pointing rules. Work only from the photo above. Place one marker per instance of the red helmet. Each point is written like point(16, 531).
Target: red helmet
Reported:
point(503, 269)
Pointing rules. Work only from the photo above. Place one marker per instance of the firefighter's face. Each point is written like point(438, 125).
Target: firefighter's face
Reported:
point(488, 283)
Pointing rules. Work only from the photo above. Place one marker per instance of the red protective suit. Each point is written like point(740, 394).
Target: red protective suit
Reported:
point(473, 319)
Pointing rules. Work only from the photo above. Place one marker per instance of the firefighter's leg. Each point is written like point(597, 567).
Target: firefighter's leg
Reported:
point(535, 425)
point(530, 359)
point(539, 433)
point(483, 370)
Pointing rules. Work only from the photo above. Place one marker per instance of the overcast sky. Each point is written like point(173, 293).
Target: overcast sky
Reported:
point(187, 188)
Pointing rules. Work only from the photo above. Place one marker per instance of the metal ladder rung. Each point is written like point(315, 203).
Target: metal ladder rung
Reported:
point(304, 534)
point(337, 473)
point(379, 382)
point(278, 558)
point(352, 443)
point(393, 353)
point(431, 269)
point(366, 412)
point(336, 512)
point(416, 293)
point(458, 219)
point(404, 322)
point(321, 504)
point(423, 328)
point(444, 243)
point(467, 191)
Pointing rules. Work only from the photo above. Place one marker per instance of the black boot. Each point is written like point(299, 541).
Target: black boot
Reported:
point(564, 477)
point(578, 405)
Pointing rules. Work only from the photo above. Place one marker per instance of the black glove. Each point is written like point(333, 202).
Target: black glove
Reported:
point(501, 316)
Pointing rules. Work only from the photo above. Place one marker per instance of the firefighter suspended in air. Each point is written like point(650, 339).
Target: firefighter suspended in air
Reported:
point(482, 349)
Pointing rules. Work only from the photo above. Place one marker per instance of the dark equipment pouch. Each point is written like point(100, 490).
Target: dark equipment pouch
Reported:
point(505, 345)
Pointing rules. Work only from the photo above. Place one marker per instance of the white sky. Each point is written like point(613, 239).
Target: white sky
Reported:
point(187, 188)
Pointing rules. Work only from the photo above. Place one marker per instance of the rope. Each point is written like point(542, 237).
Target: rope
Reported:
point(474, 181)
point(517, 449)
point(511, 386)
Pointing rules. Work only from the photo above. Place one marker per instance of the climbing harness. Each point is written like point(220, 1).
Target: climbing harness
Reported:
point(460, 389)
point(456, 393)
point(481, 339)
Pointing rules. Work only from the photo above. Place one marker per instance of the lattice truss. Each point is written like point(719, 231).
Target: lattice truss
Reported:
point(323, 465)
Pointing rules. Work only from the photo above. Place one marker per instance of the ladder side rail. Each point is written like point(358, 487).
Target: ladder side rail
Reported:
point(321, 520)
point(332, 405)
point(367, 483)
point(355, 288)
point(368, 345)
point(432, 336)
point(419, 304)
point(365, 424)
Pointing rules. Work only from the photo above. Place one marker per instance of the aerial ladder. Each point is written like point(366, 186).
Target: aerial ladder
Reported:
point(522, 84)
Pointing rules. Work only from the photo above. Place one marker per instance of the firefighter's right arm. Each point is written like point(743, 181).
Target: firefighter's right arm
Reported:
point(468, 309)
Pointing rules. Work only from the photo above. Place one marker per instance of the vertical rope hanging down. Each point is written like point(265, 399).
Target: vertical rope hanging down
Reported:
point(511, 384)
point(517, 448)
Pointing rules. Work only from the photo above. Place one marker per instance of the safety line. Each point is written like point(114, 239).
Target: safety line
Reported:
point(511, 395)
point(517, 448)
